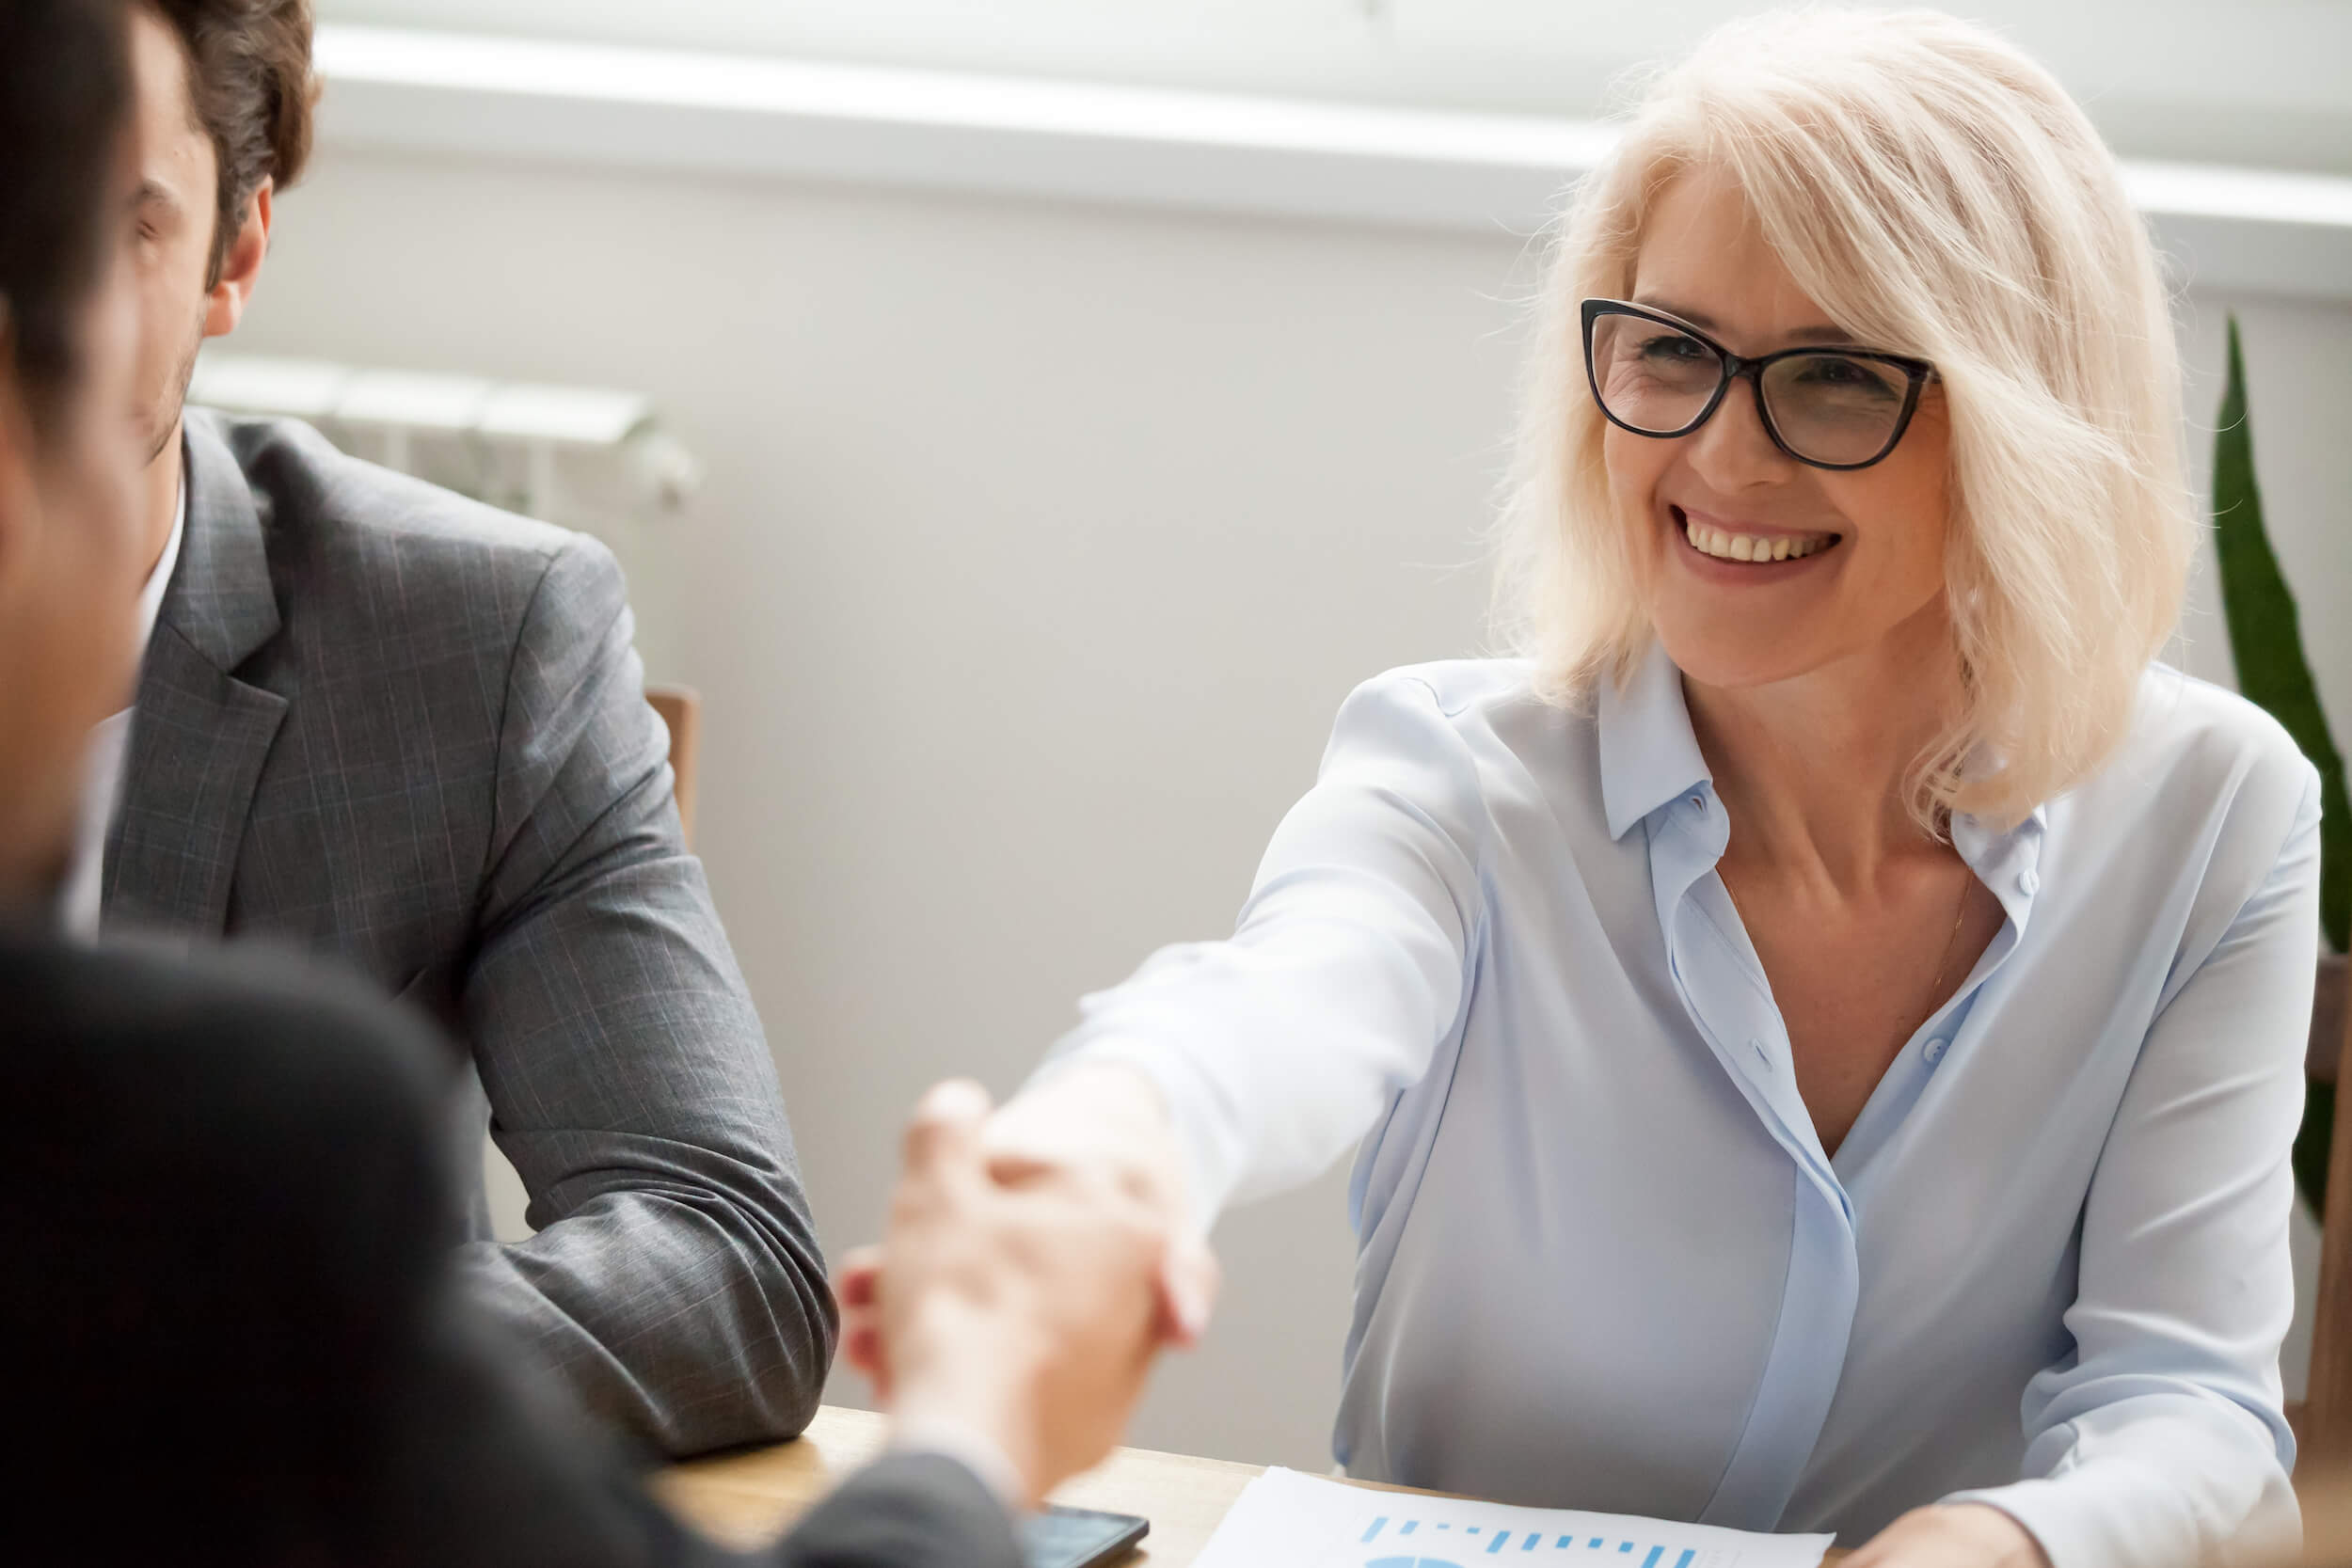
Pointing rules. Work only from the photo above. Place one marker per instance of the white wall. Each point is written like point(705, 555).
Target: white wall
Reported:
point(2255, 82)
point(1039, 546)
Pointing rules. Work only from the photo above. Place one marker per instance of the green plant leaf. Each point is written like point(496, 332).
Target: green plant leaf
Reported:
point(2267, 645)
point(2311, 1144)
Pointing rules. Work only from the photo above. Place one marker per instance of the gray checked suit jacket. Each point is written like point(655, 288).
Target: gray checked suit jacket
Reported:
point(384, 723)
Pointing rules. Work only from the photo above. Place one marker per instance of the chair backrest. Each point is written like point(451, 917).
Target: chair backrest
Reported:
point(2324, 1494)
point(681, 710)
point(2325, 1424)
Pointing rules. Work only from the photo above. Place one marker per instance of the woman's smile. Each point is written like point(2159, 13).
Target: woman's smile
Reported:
point(1733, 549)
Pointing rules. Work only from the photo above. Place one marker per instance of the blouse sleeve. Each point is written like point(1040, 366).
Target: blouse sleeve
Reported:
point(1280, 1047)
point(2160, 1438)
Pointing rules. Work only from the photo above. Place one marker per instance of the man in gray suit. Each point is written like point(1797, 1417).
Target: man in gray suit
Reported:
point(384, 723)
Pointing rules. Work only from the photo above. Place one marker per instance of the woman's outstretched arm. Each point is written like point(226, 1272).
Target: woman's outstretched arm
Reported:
point(1272, 1051)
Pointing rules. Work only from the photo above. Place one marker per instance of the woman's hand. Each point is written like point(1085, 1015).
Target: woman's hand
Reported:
point(1106, 1122)
point(1013, 1319)
point(1105, 1126)
point(1951, 1535)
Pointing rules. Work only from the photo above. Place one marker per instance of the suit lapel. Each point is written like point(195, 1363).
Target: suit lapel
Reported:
point(199, 735)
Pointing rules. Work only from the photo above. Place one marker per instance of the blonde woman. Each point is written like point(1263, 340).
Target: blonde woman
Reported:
point(1822, 1029)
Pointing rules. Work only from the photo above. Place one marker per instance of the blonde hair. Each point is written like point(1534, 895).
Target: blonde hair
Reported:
point(1937, 194)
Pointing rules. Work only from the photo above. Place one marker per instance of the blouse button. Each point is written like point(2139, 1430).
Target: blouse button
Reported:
point(2027, 883)
point(1762, 1055)
point(1936, 1047)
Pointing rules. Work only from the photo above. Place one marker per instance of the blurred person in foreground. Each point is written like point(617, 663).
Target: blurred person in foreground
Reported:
point(1823, 1030)
point(232, 1329)
point(388, 725)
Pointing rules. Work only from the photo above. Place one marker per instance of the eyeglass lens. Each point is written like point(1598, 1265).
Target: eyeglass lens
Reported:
point(1829, 408)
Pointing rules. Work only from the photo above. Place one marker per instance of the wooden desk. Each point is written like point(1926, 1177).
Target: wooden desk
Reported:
point(747, 1499)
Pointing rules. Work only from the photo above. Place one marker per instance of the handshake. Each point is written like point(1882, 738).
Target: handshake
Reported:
point(1037, 1258)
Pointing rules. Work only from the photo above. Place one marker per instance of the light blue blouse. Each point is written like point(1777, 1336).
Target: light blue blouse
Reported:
point(1603, 1261)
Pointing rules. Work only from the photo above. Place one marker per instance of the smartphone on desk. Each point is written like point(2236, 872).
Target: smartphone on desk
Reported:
point(1080, 1537)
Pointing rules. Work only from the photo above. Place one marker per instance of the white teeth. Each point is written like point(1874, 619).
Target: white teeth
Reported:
point(1751, 547)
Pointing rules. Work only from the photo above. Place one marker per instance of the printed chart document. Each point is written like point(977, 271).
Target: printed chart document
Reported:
point(1287, 1520)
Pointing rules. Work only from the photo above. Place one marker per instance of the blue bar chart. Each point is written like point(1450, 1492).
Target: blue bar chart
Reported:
point(1493, 1541)
point(1284, 1519)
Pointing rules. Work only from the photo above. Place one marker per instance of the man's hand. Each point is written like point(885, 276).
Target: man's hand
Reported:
point(1022, 1313)
point(1951, 1535)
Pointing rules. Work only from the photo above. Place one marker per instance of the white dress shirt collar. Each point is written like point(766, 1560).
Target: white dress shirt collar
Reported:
point(151, 594)
point(103, 763)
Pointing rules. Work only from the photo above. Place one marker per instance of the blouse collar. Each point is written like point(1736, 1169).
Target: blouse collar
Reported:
point(1649, 757)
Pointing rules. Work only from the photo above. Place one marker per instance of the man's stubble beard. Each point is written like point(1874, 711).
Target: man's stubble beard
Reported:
point(166, 416)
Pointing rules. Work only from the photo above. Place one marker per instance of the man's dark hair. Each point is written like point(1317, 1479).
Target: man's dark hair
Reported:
point(251, 81)
point(64, 91)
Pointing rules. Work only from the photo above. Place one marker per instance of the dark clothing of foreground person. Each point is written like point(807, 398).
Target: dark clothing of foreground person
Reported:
point(232, 1328)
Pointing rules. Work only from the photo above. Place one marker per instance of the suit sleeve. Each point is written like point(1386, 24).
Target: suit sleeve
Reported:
point(675, 1279)
point(907, 1510)
point(501, 1469)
